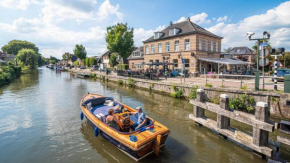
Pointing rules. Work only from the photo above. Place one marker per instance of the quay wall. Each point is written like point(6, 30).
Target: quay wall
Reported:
point(277, 101)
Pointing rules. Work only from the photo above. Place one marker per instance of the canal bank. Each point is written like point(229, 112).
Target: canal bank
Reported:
point(40, 122)
point(277, 102)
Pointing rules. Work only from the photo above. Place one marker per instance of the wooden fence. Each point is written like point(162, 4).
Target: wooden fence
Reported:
point(258, 142)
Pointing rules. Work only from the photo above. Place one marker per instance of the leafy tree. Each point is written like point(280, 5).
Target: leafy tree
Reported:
point(285, 59)
point(113, 60)
point(120, 39)
point(41, 60)
point(53, 58)
point(66, 56)
point(227, 50)
point(80, 52)
point(92, 61)
point(14, 46)
point(27, 57)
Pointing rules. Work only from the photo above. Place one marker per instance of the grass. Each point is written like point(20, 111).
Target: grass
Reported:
point(208, 85)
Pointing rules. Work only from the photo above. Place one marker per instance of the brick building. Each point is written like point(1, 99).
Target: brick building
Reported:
point(184, 40)
point(136, 59)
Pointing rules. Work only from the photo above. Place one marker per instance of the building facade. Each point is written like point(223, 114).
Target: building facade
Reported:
point(243, 53)
point(136, 59)
point(182, 44)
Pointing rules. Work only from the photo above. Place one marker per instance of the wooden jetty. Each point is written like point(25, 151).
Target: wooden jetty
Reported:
point(260, 123)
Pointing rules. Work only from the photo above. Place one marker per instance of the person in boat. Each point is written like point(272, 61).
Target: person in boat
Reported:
point(111, 120)
point(142, 120)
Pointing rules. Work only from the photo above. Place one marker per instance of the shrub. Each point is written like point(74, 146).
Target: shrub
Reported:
point(177, 94)
point(208, 85)
point(244, 87)
point(9, 72)
point(242, 102)
point(120, 82)
point(131, 82)
point(173, 87)
point(122, 66)
point(151, 86)
point(193, 92)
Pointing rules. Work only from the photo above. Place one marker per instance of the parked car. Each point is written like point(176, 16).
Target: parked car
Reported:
point(83, 67)
point(94, 68)
point(281, 73)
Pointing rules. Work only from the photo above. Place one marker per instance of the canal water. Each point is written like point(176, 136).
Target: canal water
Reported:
point(39, 122)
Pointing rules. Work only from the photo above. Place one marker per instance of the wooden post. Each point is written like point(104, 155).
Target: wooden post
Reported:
point(260, 137)
point(200, 96)
point(222, 121)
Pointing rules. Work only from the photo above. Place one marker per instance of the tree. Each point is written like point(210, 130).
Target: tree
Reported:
point(14, 46)
point(41, 60)
point(227, 50)
point(27, 57)
point(80, 52)
point(113, 60)
point(120, 39)
point(53, 58)
point(286, 59)
point(66, 56)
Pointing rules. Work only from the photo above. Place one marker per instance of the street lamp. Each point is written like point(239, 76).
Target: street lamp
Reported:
point(261, 44)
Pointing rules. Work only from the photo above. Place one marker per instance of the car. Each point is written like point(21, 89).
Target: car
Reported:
point(83, 67)
point(281, 73)
point(94, 67)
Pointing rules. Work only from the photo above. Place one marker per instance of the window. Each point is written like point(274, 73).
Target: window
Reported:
point(146, 49)
point(211, 46)
point(200, 44)
point(176, 45)
point(217, 47)
point(175, 62)
point(150, 61)
point(186, 64)
point(157, 35)
point(152, 48)
point(157, 61)
point(159, 48)
point(167, 46)
point(173, 31)
point(133, 65)
point(186, 44)
point(206, 45)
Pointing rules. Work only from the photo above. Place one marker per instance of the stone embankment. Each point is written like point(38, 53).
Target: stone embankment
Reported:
point(279, 103)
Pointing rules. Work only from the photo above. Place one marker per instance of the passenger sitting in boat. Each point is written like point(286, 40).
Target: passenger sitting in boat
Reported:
point(112, 120)
point(141, 119)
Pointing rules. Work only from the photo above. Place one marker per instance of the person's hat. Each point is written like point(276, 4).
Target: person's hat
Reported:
point(139, 108)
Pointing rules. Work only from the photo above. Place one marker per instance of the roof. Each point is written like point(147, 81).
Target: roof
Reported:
point(185, 27)
point(73, 58)
point(137, 49)
point(106, 53)
point(226, 61)
point(243, 50)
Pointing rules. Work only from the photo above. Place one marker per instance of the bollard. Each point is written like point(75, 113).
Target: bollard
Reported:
point(260, 137)
point(197, 111)
point(222, 121)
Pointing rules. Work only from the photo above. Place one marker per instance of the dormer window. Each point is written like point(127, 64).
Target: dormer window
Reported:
point(173, 31)
point(157, 35)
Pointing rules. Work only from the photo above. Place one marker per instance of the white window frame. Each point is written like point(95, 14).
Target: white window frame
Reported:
point(167, 46)
point(152, 48)
point(211, 46)
point(186, 44)
point(175, 66)
point(146, 49)
point(159, 48)
point(217, 47)
point(176, 45)
point(206, 45)
point(200, 44)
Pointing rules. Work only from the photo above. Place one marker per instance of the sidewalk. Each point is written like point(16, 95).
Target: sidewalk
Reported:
point(234, 84)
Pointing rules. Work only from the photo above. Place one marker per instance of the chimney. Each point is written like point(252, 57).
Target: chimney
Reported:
point(170, 23)
point(188, 19)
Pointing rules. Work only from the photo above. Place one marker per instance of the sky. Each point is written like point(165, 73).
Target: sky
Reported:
point(56, 26)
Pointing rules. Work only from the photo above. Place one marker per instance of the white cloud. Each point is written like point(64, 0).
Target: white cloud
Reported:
point(18, 4)
point(198, 19)
point(140, 34)
point(276, 21)
point(225, 18)
point(106, 9)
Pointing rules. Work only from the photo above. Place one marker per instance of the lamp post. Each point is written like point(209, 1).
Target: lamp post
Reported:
point(260, 43)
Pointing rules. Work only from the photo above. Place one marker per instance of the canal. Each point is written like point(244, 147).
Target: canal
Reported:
point(39, 122)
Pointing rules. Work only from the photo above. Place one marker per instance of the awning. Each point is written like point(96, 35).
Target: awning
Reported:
point(226, 61)
point(159, 63)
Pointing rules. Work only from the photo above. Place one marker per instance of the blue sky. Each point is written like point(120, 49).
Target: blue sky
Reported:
point(57, 25)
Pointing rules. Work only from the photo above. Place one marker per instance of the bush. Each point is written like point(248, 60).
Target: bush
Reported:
point(120, 82)
point(208, 85)
point(244, 88)
point(177, 94)
point(122, 66)
point(9, 72)
point(193, 92)
point(93, 75)
point(242, 102)
point(131, 82)
point(151, 86)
